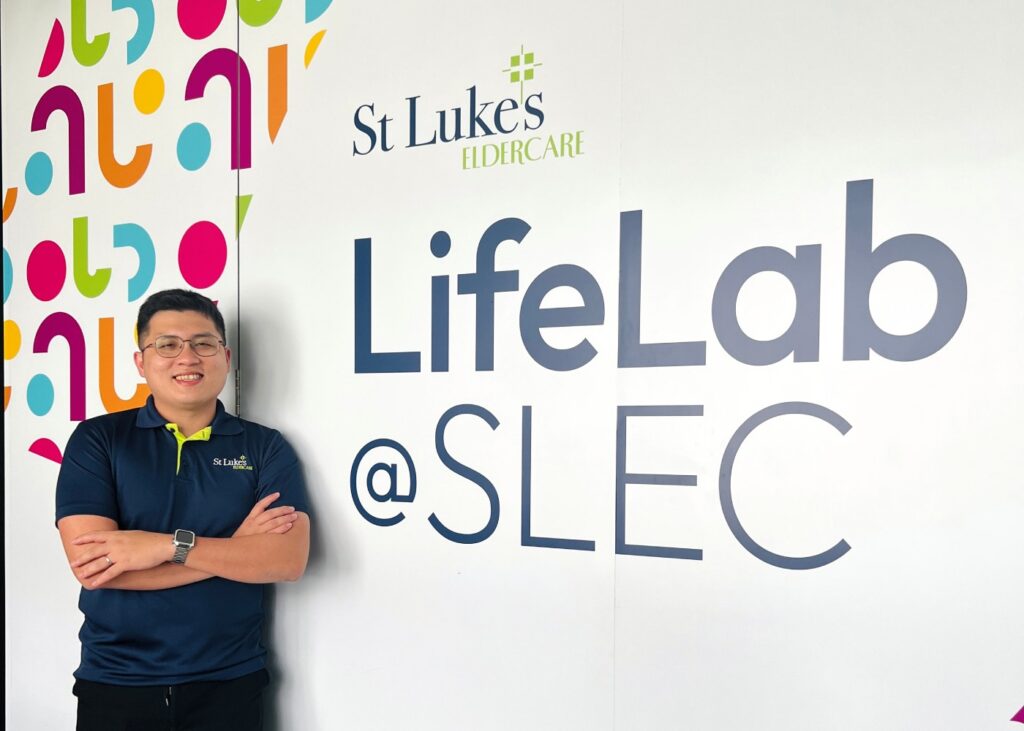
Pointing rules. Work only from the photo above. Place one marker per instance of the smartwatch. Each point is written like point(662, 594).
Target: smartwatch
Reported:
point(184, 541)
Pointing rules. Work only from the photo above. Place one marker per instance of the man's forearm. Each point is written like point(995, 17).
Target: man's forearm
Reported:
point(254, 559)
point(164, 576)
point(271, 544)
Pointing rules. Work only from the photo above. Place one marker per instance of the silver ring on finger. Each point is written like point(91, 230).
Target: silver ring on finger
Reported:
point(109, 562)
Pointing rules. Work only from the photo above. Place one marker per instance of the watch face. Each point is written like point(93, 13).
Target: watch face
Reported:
point(184, 537)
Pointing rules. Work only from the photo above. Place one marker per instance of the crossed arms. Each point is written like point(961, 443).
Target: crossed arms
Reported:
point(271, 544)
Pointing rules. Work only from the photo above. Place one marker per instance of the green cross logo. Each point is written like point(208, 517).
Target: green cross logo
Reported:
point(521, 69)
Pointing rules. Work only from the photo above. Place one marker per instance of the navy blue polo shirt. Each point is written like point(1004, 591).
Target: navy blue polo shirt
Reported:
point(124, 466)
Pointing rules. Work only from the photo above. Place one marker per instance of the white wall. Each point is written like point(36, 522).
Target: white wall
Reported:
point(731, 125)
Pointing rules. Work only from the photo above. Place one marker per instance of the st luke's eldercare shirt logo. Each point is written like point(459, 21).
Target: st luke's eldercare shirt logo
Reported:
point(239, 463)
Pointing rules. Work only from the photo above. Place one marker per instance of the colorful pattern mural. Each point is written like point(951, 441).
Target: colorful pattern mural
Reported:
point(43, 269)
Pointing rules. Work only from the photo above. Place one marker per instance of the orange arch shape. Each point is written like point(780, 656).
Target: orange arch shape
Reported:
point(118, 175)
point(108, 394)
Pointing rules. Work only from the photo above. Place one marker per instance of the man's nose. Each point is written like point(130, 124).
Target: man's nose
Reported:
point(187, 353)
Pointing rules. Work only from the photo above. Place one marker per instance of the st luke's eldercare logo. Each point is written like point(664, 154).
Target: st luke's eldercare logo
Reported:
point(500, 130)
point(239, 463)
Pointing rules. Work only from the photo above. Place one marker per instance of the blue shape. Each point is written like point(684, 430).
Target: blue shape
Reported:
point(468, 472)
point(135, 237)
point(40, 395)
point(316, 8)
point(139, 42)
point(440, 244)
point(354, 485)
point(38, 173)
point(8, 275)
point(194, 146)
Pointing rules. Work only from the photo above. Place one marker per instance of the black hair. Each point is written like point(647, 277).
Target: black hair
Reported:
point(178, 300)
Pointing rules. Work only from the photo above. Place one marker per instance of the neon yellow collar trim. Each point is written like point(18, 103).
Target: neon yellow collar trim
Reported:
point(203, 435)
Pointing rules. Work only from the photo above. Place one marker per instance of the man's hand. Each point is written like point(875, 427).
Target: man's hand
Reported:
point(263, 519)
point(109, 553)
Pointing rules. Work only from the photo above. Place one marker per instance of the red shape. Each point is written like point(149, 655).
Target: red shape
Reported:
point(199, 18)
point(1019, 717)
point(46, 270)
point(54, 51)
point(203, 254)
point(46, 449)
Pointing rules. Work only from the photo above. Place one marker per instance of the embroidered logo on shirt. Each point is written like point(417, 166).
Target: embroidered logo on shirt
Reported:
point(236, 464)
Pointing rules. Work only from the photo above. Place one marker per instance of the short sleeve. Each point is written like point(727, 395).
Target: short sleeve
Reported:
point(280, 471)
point(85, 485)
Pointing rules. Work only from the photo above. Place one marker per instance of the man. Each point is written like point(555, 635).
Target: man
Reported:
point(165, 515)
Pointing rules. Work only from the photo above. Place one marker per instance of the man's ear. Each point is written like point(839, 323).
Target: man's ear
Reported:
point(138, 363)
point(227, 355)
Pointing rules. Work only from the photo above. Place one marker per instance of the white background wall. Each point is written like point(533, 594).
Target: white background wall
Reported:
point(731, 126)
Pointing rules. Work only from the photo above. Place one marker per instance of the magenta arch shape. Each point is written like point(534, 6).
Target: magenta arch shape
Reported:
point(63, 325)
point(64, 99)
point(225, 62)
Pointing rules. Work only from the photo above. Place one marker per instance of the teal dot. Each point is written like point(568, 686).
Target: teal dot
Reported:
point(40, 395)
point(194, 146)
point(38, 173)
point(8, 275)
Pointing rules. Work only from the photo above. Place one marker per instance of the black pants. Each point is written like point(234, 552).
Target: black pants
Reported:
point(221, 705)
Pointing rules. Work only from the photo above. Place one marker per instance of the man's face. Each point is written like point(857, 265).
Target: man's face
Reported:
point(186, 381)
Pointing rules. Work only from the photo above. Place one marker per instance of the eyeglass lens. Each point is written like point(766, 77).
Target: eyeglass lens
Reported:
point(171, 345)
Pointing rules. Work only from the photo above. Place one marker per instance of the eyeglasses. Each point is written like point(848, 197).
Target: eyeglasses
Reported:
point(170, 346)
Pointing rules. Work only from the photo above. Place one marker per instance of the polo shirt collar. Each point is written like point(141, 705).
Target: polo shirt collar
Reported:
point(223, 422)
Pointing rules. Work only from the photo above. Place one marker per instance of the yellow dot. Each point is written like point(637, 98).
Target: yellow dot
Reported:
point(12, 339)
point(149, 91)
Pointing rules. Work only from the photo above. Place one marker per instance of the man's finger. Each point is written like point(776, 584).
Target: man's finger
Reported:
point(290, 518)
point(262, 504)
point(274, 513)
point(269, 525)
point(88, 555)
point(96, 537)
point(283, 528)
point(94, 567)
point(112, 572)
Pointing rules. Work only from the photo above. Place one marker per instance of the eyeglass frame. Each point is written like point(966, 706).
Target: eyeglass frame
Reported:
point(152, 345)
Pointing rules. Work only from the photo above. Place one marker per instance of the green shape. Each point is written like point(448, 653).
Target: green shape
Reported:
point(241, 208)
point(90, 285)
point(528, 74)
point(257, 12)
point(515, 76)
point(514, 61)
point(529, 57)
point(87, 53)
